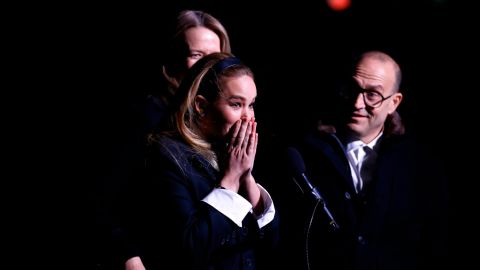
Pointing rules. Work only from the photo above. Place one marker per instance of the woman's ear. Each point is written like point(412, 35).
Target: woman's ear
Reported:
point(201, 105)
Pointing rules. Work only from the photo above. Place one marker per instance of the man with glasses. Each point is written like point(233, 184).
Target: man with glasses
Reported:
point(386, 195)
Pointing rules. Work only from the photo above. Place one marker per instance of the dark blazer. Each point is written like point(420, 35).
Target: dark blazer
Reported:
point(178, 230)
point(400, 222)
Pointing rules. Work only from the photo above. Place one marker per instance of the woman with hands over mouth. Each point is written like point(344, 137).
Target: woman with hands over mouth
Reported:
point(201, 202)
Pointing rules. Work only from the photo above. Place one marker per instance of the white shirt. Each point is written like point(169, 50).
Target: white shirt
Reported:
point(235, 207)
point(356, 155)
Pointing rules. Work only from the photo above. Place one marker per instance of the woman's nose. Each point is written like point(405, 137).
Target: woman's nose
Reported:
point(247, 114)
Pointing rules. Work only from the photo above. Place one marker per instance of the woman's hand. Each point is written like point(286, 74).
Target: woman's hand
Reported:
point(134, 263)
point(241, 151)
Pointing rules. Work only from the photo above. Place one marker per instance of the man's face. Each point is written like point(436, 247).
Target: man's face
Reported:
point(372, 78)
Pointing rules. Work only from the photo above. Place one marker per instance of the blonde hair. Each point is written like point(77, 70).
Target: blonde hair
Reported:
point(203, 79)
point(187, 19)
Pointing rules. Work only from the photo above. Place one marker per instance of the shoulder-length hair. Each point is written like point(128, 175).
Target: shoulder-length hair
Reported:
point(204, 78)
point(173, 68)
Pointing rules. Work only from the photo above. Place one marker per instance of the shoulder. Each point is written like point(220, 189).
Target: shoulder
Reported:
point(170, 146)
point(406, 143)
point(173, 148)
point(166, 148)
point(320, 140)
point(317, 136)
point(410, 149)
point(167, 153)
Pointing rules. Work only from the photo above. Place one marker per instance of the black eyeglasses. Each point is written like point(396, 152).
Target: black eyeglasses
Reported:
point(371, 98)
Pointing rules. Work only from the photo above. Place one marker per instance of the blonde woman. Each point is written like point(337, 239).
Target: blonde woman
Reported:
point(201, 202)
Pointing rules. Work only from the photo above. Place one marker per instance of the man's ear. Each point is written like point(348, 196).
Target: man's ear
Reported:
point(201, 105)
point(397, 98)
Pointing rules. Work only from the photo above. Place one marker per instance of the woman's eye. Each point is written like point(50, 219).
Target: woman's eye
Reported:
point(196, 55)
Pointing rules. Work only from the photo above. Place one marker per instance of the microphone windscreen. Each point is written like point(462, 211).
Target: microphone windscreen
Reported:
point(295, 161)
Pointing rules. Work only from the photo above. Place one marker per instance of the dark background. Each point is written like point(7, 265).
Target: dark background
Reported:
point(94, 60)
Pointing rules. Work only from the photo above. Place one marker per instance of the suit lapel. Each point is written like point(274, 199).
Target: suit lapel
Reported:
point(332, 148)
point(380, 193)
point(204, 168)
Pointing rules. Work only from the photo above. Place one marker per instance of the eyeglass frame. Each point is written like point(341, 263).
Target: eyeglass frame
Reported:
point(359, 90)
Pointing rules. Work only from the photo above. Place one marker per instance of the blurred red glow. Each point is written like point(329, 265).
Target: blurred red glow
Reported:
point(339, 5)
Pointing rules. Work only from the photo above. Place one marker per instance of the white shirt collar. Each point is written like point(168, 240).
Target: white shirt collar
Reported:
point(353, 145)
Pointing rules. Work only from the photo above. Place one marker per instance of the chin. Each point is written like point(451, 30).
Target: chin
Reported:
point(355, 129)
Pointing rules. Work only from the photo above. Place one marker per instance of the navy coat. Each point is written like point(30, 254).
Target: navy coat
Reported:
point(180, 231)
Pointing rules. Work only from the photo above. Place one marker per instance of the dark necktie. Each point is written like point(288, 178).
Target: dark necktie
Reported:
point(367, 166)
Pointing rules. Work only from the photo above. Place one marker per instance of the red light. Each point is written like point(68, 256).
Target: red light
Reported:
point(338, 5)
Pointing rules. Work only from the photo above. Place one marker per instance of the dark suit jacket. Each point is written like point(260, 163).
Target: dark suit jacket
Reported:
point(178, 230)
point(399, 223)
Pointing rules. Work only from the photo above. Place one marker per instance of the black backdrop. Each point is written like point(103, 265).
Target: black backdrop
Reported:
point(105, 56)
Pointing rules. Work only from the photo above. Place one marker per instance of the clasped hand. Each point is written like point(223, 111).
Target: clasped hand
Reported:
point(240, 154)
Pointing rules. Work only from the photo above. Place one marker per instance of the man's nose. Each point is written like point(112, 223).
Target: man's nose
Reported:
point(359, 101)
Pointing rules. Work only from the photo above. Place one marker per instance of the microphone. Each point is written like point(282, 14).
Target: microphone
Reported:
point(298, 170)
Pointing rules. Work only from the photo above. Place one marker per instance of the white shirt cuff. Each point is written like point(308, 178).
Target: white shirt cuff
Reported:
point(269, 212)
point(229, 203)
point(235, 207)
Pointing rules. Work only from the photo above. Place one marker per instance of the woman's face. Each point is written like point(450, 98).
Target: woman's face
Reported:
point(200, 41)
point(236, 101)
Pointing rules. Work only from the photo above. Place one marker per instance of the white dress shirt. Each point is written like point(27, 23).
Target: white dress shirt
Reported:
point(355, 152)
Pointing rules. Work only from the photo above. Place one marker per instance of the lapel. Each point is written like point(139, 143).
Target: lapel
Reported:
point(380, 192)
point(332, 148)
point(193, 162)
point(204, 168)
